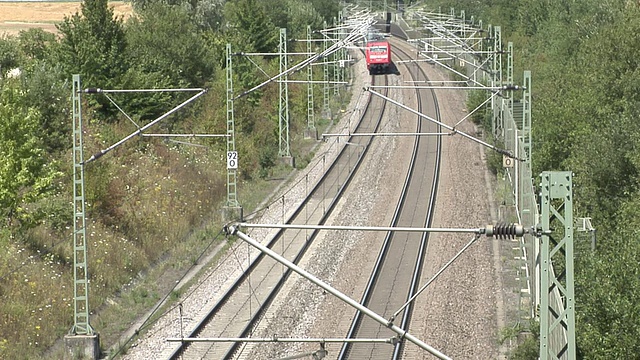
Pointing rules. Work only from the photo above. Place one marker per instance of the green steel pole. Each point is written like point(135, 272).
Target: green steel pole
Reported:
point(81, 324)
point(557, 302)
point(232, 170)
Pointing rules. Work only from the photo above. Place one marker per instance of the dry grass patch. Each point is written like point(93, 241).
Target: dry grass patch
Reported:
point(17, 16)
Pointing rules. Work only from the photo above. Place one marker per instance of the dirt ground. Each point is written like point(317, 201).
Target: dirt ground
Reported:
point(17, 16)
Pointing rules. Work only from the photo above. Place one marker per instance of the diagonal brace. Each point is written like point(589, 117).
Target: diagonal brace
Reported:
point(233, 230)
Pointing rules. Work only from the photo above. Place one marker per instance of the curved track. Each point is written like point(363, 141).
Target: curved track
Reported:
point(243, 305)
point(396, 274)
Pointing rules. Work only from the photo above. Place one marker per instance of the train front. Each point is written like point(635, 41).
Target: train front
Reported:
point(378, 57)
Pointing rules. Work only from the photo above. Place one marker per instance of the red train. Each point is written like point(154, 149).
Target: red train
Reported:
point(378, 55)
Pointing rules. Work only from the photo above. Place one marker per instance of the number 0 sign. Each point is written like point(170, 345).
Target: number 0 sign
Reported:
point(507, 162)
point(232, 160)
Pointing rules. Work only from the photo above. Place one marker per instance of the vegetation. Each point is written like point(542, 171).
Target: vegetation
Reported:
point(149, 199)
point(586, 119)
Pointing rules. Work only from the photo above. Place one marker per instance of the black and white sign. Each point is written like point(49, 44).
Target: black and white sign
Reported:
point(507, 162)
point(232, 160)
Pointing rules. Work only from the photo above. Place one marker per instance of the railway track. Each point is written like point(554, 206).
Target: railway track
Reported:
point(396, 274)
point(244, 304)
point(256, 291)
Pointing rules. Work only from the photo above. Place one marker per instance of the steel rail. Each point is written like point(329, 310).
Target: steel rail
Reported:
point(312, 236)
point(326, 215)
point(415, 281)
point(382, 256)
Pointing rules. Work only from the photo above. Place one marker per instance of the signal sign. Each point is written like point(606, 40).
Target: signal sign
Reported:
point(232, 160)
point(507, 162)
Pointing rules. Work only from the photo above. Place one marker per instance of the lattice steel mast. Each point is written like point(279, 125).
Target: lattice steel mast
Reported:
point(283, 107)
point(311, 121)
point(557, 311)
point(81, 325)
point(232, 188)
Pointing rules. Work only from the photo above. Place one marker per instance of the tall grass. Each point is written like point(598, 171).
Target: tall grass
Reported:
point(141, 204)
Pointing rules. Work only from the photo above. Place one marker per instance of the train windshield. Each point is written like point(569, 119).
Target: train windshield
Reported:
point(378, 49)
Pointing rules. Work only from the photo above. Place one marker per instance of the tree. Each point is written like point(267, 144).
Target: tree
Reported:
point(93, 45)
point(26, 173)
point(250, 27)
point(206, 14)
point(166, 50)
point(9, 55)
point(164, 40)
point(294, 15)
point(36, 43)
point(608, 288)
point(328, 9)
point(47, 93)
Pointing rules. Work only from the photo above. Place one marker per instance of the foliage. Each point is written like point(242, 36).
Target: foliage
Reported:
point(206, 14)
point(529, 346)
point(482, 115)
point(9, 55)
point(249, 26)
point(583, 56)
point(36, 43)
point(166, 51)
point(144, 198)
point(25, 173)
point(297, 15)
point(93, 45)
point(47, 92)
point(328, 9)
point(163, 40)
point(607, 288)
point(528, 350)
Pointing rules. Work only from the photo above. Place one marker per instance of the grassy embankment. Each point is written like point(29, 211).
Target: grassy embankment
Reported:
point(153, 209)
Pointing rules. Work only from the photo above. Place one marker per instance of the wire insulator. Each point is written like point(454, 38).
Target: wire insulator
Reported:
point(230, 229)
point(504, 231)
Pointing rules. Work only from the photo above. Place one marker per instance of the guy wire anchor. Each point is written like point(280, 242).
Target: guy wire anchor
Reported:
point(504, 231)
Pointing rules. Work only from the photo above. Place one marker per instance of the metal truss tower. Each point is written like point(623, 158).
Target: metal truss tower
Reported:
point(311, 121)
point(510, 74)
point(557, 298)
point(336, 59)
point(526, 193)
point(341, 53)
point(326, 109)
point(526, 117)
point(283, 123)
point(232, 171)
point(496, 76)
point(81, 340)
point(81, 324)
point(464, 25)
